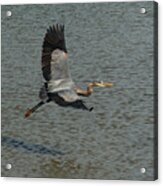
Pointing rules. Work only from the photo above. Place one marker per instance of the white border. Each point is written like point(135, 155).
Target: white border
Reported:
point(71, 182)
point(60, 1)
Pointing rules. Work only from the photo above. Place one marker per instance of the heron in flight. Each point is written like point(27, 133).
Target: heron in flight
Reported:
point(59, 86)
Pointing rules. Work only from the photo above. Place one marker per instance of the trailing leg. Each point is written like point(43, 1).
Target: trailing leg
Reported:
point(33, 109)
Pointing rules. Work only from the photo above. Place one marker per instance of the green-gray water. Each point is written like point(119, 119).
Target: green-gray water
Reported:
point(105, 41)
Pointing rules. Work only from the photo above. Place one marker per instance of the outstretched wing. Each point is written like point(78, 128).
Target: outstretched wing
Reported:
point(54, 48)
point(54, 66)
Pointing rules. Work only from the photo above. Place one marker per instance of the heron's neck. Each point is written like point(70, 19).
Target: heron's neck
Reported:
point(86, 92)
point(90, 87)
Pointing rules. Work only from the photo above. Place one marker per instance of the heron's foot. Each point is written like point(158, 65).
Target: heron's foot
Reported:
point(28, 113)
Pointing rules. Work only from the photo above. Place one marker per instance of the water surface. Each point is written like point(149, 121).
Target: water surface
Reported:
point(105, 41)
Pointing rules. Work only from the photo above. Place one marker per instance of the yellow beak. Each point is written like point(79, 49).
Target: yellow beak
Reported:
point(103, 84)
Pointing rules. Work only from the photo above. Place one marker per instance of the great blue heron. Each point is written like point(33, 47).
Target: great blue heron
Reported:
point(59, 86)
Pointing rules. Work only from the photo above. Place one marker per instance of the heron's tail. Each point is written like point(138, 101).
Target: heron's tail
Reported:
point(33, 109)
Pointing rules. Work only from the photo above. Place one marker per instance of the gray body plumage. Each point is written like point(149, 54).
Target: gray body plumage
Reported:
point(60, 80)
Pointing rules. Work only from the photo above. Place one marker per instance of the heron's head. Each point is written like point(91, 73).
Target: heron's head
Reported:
point(103, 84)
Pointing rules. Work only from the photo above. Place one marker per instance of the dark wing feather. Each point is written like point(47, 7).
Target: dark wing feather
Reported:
point(72, 99)
point(68, 98)
point(54, 39)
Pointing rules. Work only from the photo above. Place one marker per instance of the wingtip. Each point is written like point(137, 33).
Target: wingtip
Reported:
point(56, 27)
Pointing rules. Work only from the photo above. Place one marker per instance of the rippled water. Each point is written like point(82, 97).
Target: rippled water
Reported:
point(106, 41)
